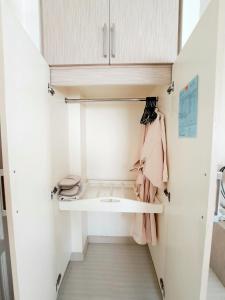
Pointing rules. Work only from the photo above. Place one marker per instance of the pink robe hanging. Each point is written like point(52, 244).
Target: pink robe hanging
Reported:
point(152, 173)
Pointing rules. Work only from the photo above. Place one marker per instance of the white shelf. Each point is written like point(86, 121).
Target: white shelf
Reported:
point(110, 196)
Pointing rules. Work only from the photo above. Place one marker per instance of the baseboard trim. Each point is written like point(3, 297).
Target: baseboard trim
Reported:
point(79, 256)
point(95, 239)
point(85, 247)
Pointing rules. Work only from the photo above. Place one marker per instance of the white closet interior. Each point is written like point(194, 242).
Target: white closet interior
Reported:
point(103, 144)
point(109, 146)
point(45, 139)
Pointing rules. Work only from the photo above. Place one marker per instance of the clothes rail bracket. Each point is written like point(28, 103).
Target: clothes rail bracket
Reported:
point(51, 90)
point(171, 88)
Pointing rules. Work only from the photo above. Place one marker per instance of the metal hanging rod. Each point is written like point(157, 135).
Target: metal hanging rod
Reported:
point(69, 100)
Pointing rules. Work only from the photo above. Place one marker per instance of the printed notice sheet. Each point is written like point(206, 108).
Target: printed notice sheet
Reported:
point(188, 110)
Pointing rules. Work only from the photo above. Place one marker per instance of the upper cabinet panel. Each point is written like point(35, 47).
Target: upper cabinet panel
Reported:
point(84, 32)
point(75, 32)
point(143, 31)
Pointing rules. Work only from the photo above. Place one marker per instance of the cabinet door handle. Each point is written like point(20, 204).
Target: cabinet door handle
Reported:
point(113, 40)
point(104, 30)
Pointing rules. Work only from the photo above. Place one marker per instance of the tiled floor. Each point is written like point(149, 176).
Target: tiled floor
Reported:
point(216, 291)
point(111, 272)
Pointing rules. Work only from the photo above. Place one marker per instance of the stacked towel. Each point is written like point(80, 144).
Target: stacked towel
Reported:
point(70, 187)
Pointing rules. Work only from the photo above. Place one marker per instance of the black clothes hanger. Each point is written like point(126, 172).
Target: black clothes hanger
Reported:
point(149, 114)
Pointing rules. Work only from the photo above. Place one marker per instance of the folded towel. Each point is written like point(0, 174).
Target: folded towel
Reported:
point(70, 192)
point(69, 182)
point(75, 177)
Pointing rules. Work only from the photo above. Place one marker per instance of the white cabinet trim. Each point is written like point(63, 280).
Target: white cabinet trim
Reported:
point(111, 75)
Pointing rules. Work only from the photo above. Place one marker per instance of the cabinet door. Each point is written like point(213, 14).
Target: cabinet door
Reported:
point(75, 32)
point(25, 131)
point(193, 161)
point(144, 31)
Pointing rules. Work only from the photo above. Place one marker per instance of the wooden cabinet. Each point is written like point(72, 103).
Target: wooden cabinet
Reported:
point(144, 31)
point(75, 31)
point(110, 31)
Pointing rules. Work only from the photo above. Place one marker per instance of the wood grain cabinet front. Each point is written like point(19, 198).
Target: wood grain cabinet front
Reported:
point(96, 32)
point(75, 32)
point(144, 31)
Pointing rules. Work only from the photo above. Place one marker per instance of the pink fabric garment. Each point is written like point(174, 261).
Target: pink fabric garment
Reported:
point(153, 152)
point(152, 173)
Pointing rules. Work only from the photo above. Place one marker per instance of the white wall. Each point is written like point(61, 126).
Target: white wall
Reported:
point(60, 168)
point(112, 131)
point(190, 18)
point(77, 147)
point(78, 232)
point(204, 4)
point(28, 13)
point(191, 13)
point(77, 166)
point(109, 224)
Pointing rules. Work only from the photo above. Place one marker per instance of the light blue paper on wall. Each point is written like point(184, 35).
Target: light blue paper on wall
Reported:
point(188, 110)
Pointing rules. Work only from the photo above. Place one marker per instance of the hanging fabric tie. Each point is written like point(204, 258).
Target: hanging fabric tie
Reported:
point(149, 114)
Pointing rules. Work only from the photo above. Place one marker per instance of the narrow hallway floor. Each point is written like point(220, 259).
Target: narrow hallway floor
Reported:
point(111, 272)
point(216, 291)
